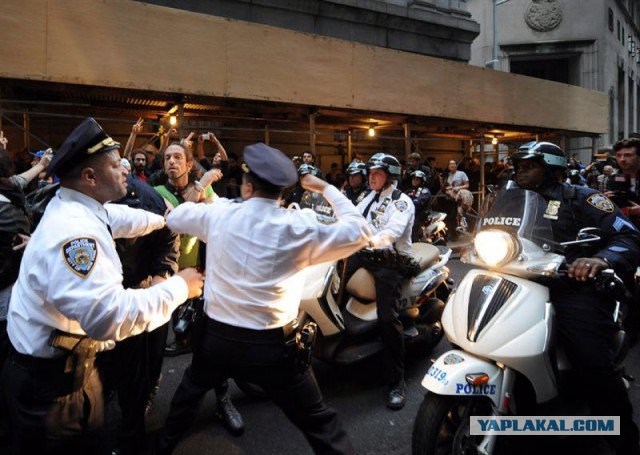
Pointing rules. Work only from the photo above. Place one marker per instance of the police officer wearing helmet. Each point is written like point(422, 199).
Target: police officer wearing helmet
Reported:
point(251, 303)
point(584, 317)
point(390, 214)
point(421, 197)
point(69, 303)
point(357, 187)
point(295, 196)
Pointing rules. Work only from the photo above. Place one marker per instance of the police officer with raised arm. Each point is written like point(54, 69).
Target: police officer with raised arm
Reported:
point(389, 213)
point(69, 303)
point(584, 317)
point(252, 299)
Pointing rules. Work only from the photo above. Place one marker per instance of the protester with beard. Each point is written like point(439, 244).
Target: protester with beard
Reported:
point(183, 186)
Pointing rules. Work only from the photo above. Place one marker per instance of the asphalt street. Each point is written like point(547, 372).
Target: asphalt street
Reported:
point(356, 392)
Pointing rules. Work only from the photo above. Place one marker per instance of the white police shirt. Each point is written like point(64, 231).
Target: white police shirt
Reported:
point(390, 221)
point(71, 278)
point(257, 252)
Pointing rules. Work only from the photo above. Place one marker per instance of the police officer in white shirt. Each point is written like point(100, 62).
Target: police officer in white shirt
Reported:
point(253, 285)
point(69, 303)
point(390, 214)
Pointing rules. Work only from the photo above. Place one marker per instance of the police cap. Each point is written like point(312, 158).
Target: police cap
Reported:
point(270, 164)
point(87, 139)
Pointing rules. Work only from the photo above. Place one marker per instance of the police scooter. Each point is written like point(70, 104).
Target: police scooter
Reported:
point(348, 333)
point(434, 230)
point(500, 321)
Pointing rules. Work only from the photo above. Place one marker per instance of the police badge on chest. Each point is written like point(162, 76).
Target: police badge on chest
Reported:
point(552, 210)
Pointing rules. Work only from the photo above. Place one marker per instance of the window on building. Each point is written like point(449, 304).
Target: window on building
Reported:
point(610, 20)
point(551, 69)
point(618, 28)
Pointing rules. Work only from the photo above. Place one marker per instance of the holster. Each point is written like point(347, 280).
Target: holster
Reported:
point(199, 325)
point(304, 341)
point(81, 355)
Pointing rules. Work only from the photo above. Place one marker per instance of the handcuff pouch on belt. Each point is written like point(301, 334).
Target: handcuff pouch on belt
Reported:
point(302, 345)
point(406, 265)
point(81, 355)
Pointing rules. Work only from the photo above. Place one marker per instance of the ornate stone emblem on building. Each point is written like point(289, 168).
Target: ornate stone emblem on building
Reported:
point(543, 15)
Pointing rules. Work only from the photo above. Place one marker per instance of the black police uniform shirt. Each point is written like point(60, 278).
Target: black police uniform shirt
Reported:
point(581, 207)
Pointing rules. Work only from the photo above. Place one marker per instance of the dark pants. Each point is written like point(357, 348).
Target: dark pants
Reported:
point(586, 329)
point(388, 288)
point(132, 369)
point(266, 363)
point(45, 415)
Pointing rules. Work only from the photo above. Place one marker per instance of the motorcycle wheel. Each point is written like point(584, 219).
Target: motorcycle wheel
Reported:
point(251, 389)
point(442, 425)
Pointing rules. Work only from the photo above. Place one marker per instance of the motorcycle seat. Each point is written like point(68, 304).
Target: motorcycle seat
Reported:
point(424, 254)
point(362, 284)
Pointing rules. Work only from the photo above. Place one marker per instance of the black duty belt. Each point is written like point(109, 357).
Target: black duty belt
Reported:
point(30, 362)
point(235, 333)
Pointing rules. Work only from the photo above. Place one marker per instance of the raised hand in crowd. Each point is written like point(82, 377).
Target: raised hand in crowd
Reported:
point(188, 141)
point(3, 140)
point(135, 130)
point(20, 242)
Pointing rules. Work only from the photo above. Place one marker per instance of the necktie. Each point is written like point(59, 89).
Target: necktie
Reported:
point(375, 199)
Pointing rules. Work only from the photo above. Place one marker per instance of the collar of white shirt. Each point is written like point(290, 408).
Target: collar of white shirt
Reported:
point(69, 195)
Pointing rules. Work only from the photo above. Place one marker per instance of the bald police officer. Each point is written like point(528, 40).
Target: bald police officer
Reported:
point(69, 303)
point(251, 302)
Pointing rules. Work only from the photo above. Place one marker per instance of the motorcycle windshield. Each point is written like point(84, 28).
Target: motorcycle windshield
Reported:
point(317, 203)
point(519, 212)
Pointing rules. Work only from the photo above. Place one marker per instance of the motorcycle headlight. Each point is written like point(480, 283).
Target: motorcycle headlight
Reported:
point(496, 247)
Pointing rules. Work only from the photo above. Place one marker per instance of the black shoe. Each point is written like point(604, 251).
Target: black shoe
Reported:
point(174, 349)
point(231, 418)
point(397, 395)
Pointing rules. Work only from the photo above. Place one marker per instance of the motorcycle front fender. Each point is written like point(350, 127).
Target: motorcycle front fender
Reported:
point(447, 376)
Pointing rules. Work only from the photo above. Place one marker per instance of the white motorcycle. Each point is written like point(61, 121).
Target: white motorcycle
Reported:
point(434, 230)
point(501, 323)
point(348, 333)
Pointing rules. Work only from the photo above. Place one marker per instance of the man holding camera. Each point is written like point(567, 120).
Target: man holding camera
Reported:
point(251, 303)
point(625, 186)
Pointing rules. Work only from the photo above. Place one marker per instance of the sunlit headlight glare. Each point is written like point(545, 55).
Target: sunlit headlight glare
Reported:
point(495, 247)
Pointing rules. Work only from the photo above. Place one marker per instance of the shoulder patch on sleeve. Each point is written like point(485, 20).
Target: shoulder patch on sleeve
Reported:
point(402, 205)
point(601, 202)
point(80, 255)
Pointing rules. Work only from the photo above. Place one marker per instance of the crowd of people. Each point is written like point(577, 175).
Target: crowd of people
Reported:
point(115, 262)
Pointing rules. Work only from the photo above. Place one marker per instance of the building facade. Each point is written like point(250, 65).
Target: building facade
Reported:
point(588, 43)
point(307, 74)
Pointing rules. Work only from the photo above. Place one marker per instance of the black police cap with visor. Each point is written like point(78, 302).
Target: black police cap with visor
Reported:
point(85, 140)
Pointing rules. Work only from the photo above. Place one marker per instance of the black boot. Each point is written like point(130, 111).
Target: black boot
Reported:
point(397, 395)
point(227, 412)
